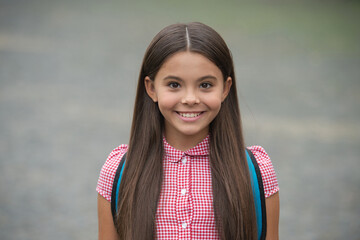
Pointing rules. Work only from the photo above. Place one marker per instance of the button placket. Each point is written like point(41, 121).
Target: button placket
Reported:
point(182, 202)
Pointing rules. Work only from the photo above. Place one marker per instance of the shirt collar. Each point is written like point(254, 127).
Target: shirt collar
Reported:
point(174, 155)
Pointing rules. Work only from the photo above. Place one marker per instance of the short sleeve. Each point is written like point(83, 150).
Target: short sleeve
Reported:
point(108, 171)
point(267, 171)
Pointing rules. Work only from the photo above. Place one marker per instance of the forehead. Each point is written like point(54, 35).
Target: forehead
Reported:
point(189, 64)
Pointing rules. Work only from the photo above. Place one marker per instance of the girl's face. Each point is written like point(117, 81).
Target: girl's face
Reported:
point(189, 90)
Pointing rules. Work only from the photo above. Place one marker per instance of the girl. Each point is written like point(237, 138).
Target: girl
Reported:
point(186, 175)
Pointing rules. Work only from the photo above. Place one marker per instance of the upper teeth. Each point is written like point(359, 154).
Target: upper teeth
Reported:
point(189, 115)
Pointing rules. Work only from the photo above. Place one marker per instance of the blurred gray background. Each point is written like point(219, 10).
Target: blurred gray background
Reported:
point(68, 72)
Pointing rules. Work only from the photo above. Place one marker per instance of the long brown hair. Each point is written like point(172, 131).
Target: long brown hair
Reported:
point(141, 182)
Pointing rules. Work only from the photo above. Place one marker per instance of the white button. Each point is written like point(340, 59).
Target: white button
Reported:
point(184, 225)
point(183, 191)
point(183, 160)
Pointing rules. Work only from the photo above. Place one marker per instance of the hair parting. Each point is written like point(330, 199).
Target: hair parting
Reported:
point(187, 38)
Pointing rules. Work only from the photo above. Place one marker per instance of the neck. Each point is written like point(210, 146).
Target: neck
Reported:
point(184, 142)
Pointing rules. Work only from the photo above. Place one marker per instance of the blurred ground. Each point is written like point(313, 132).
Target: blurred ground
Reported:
point(68, 72)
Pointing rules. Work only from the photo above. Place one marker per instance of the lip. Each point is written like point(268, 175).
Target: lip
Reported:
point(189, 118)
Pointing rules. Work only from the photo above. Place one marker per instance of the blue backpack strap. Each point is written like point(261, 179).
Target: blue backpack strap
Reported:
point(258, 193)
point(116, 186)
point(257, 187)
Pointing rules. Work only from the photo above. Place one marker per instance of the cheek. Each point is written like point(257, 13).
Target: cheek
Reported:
point(213, 102)
point(167, 102)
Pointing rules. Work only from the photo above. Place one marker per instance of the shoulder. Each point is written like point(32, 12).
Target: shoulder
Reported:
point(267, 170)
point(108, 171)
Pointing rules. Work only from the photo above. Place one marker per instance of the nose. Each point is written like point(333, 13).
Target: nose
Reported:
point(190, 98)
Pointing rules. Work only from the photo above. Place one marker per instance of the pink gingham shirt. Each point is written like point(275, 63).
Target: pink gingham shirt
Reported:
point(185, 209)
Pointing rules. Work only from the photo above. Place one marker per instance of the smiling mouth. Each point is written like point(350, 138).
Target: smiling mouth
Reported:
point(189, 115)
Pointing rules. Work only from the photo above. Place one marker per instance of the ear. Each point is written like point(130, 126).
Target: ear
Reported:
point(150, 88)
point(227, 87)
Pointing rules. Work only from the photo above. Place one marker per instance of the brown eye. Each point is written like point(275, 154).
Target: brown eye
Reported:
point(174, 85)
point(205, 85)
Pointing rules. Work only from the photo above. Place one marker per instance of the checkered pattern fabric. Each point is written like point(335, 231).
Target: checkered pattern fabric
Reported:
point(266, 169)
point(108, 171)
point(185, 209)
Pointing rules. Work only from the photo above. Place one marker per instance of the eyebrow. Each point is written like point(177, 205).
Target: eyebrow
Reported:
point(180, 79)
